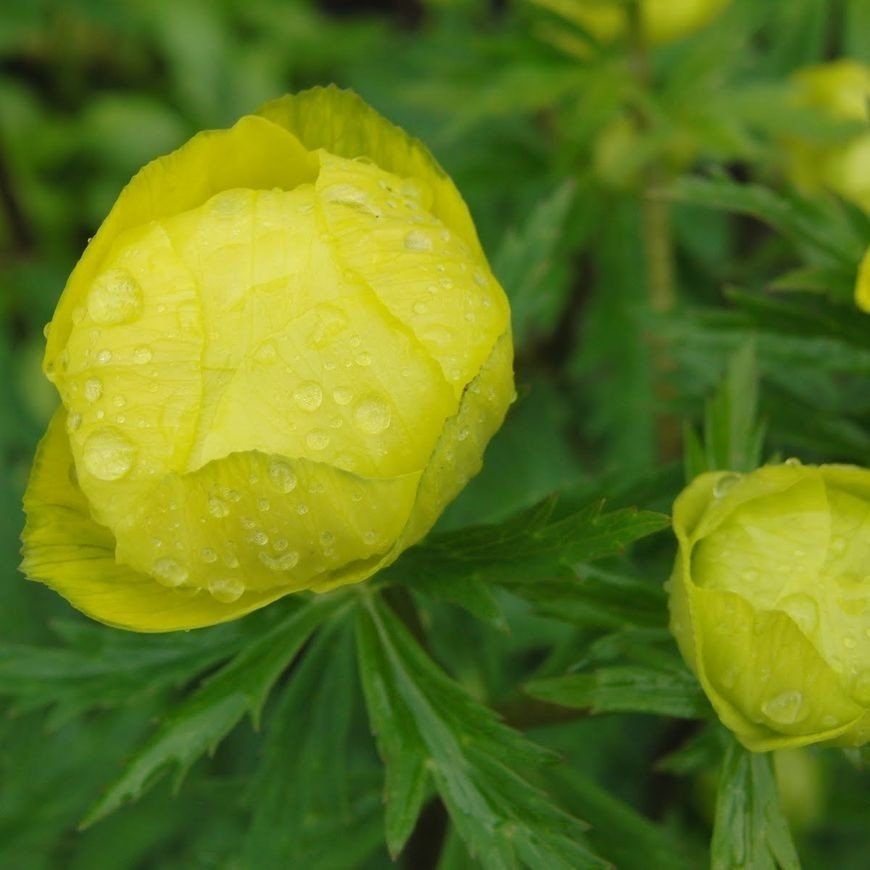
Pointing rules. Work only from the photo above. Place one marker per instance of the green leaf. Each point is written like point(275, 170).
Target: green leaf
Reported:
point(824, 230)
point(102, 667)
point(733, 437)
point(504, 820)
point(531, 544)
point(524, 265)
point(750, 829)
point(315, 801)
point(617, 830)
point(626, 689)
point(199, 723)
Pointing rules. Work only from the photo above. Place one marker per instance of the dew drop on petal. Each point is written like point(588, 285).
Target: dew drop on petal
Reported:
point(115, 297)
point(93, 389)
point(169, 573)
point(142, 355)
point(725, 484)
point(785, 708)
point(108, 454)
point(284, 562)
point(281, 475)
point(372, 416)
point(317, 439)
point(308, 396)
point(208, 555)
point(226, 589)
point(73, 422)
point(217, 507)
point(416, 240)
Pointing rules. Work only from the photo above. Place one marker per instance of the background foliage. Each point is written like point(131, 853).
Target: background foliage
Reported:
point(635, 205)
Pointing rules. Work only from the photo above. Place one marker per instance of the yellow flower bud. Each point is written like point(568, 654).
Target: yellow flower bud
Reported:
point(862, 287)
point(662, 20)
point(280, 357)
point(838, 91)
point(770, 601)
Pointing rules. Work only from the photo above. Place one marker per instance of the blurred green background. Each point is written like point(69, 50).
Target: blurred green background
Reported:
point(631, 282)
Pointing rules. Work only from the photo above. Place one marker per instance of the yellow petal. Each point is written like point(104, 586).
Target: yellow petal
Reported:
point(341, 123)
point(67, 550)
point(254, 153)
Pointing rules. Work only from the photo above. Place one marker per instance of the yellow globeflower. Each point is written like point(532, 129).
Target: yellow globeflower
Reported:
point(840, 91)
point(770, 601)
point(662, 20)
point(862, 287)
point(279, 358)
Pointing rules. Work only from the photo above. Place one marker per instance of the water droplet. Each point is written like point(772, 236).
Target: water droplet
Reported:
point(248, 522)
point(327, 538)
point(119, 401)
point(370, 537)
point(233, 494)
point(280, 544)
point(416, 240)
point(861, 689)
point(115, 297)
point(168, 572)
point(281, 475)
point(284, 562)
point(330, 321)
point(259, 538)
point(363, 359)
point(302, 509)
point(849, 642)
point(93, 389)
point(317, 439)
point(372, 415)
point(792, 461)
point(142, 355)
point(785, 708)
point(463, 433)
point(803, 610)
point(226, 589)
point(725, 484)
point(217, 507)
point(342, 396)
point(265, 353)
point(208, 555)
point(104, 356)
point(73, 422)
point(308, 396)
point(108, 454)
point(480, 278)
point(263, 504)
point(420, 308)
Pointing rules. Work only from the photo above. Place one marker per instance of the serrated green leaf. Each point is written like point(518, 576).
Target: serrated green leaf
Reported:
point(198, 724)
point(524, 265)
point(733, 437)
point(750, 829)
point(626, 689)
point(823, 230)
point(530, 544)
point(504, 820)
point(102, 667)
point(308, 791)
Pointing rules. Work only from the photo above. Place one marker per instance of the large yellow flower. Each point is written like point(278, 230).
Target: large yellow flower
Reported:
point(770, 601)
point(280, 357)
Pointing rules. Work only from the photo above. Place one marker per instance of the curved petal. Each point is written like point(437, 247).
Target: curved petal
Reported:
point(862, 287)
point(342, 123)
point(254, 153)
point(67, 550)
point(767, 682)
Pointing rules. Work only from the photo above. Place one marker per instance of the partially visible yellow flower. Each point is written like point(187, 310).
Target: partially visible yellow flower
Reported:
point(862, 287)
point(280, 357)
point(662, 20)
point(839, 91)
point(770, 601)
